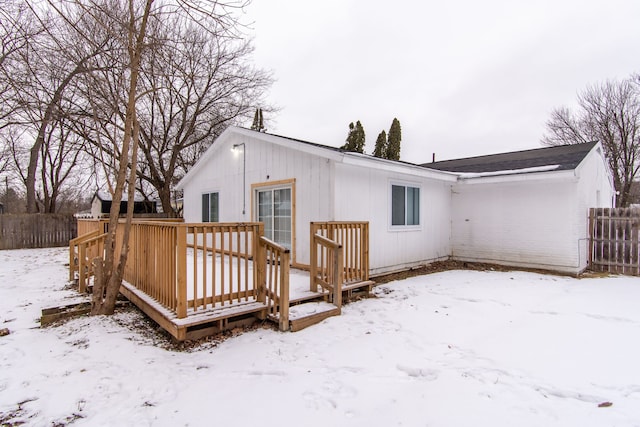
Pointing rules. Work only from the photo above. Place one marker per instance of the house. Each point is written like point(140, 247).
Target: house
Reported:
point(101, 205)
point(520, 211)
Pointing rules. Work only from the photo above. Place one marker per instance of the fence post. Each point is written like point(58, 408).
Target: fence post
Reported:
point(591, 236)
point(181, 273)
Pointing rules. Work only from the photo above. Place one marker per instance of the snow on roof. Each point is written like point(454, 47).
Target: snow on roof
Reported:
point(469, 175)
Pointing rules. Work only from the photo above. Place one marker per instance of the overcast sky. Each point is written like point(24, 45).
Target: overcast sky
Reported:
point(464, 77)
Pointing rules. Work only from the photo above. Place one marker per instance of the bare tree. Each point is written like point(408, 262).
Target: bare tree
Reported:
point(43, 72)
point(17, 32)
point(197, 85)
point(193, 85)
point(609, 113)
point(123, 97)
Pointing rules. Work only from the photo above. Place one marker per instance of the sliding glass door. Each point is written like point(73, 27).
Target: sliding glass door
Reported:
point(274, 210)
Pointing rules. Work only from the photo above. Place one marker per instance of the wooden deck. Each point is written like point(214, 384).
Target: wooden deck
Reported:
point(306, 308)
point(196, 280)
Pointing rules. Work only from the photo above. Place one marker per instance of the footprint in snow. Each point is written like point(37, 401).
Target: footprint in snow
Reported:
point(427, 374)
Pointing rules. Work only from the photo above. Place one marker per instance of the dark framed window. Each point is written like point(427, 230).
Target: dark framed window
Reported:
point(210, 207)
point(405, 205)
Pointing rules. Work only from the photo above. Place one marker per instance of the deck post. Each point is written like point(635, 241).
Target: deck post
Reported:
point(82, 253)
point(181, 273)
point(284, 292)
point(338, 262)
point(72, 260)
point(260, 259)
point(313, 258)
point(365, 244)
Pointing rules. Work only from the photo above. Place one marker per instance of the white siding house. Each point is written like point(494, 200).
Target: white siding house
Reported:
point(417, 214)
point(528, 209)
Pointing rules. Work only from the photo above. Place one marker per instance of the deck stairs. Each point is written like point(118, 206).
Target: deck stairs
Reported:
point(310, 308)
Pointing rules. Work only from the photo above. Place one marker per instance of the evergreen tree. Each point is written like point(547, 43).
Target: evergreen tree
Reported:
point(350, 138)
point(258, 123)
point(393, 146)
point(355, 138)
point(381, 145)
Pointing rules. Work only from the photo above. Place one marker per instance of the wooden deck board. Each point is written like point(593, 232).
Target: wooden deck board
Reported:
point(178, 327)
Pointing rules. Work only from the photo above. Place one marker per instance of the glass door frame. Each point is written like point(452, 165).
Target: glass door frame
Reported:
point(277, 185)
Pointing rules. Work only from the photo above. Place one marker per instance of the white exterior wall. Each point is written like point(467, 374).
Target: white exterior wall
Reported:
point(525, 223)
point(595, 190)
point(265, 162)
point(534, 220)
point(96, 208)
point(364, 194)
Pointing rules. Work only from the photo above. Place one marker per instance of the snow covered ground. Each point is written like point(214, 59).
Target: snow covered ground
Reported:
point(458, 348)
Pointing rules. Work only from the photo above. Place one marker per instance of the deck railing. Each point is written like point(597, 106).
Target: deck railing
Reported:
point(153, 261)
point(193, 267)
point(354, 239)
point(273, 280)
point(327, 269)
point(221, 271)
point(82, 250)
point(86, 225)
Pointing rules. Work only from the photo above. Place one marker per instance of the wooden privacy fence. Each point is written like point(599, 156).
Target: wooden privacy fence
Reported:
point(354, 239)
point(19, 231)
point(614, 240)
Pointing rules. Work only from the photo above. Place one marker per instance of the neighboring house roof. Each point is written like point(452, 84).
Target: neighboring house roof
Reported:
point(106, 197)
point(564, 157)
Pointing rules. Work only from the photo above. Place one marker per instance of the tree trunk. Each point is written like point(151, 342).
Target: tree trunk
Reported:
point(105, 293)
point(165, 199)
point(34, 152)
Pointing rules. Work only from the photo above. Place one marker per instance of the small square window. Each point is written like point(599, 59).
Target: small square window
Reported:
point(405, 205)
point(210, 207)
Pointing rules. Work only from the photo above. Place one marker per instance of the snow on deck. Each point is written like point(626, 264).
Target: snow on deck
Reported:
point(298, 279)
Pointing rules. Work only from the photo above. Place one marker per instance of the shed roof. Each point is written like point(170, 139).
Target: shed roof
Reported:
point(105, 196)
point(564, 157)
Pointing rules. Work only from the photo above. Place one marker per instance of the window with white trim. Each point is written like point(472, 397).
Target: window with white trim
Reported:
point(210, 207)
point(405, 205)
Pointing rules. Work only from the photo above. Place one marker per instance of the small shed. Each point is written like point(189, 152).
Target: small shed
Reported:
point(101, 205)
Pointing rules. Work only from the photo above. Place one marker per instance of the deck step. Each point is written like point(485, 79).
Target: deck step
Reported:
point(307, 314)
point(368, 284)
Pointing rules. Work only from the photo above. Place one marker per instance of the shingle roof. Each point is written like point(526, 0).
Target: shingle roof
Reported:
point(566, 157)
